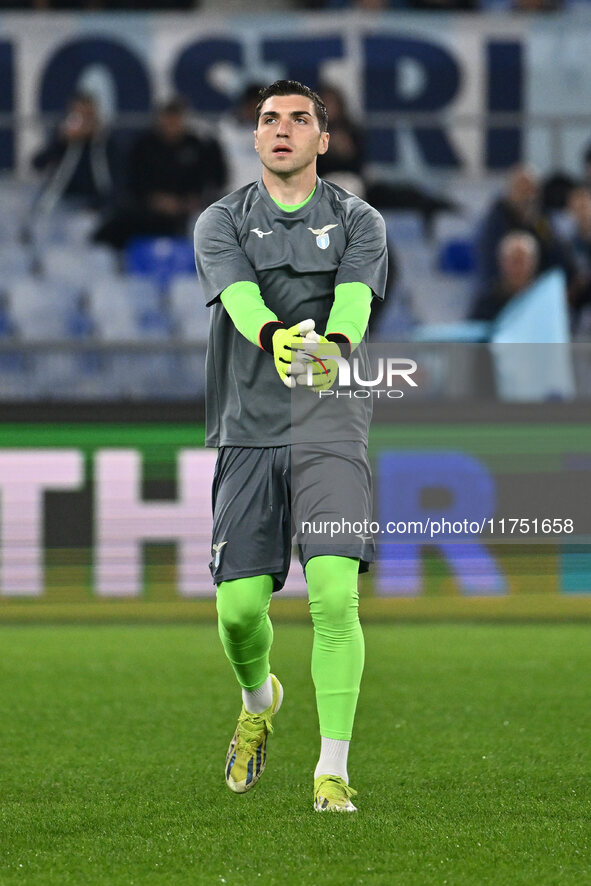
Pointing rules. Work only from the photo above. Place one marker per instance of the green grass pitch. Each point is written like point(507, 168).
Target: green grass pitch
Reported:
point(471, 758)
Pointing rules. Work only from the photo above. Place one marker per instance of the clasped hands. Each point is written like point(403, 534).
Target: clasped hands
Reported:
point(304, 357)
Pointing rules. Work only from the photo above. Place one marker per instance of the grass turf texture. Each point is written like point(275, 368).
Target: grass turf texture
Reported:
point(471, 757)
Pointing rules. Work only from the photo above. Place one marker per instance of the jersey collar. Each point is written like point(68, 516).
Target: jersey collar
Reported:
point(298, 213)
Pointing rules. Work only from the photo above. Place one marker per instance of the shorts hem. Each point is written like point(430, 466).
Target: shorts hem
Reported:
point(364, 562)
point(233, 574)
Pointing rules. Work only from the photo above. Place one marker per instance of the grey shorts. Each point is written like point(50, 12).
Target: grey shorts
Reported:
point(264, 499)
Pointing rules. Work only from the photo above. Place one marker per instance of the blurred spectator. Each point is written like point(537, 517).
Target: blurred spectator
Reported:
point(519, 210)
point(80, 160)
point(445, 5)
point(173, 174)
point(579, 212)
point(94, 5)
point(536, 5)
point(237, 136)
point(384, 5)
point(587, 166)
point(518, 255)
point(555, 191)
point(343, 162)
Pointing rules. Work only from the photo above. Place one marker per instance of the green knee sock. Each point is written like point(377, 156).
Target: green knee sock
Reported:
point(245, 628)
point(338, 653)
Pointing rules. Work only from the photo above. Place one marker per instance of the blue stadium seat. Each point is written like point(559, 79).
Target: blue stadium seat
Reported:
point(160, 258)
point(457, 256)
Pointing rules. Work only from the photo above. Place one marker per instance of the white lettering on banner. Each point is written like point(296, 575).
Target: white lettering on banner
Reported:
point(465, 68)
point(123, 522)
point(24, 476)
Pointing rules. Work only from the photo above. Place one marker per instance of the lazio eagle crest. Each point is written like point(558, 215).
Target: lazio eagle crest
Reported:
point(322, 238)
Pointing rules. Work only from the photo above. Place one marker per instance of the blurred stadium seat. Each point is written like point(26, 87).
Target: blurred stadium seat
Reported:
point(117, 304)
point(160, 258)
point(78, 265)
point(457, 256)
point(41, 309)
point(451, 226)
point(405, 226)
point(441, 298)
point(77, 226)
point(115, 292)
point(154, 324)
point(16, 260)
point(189, 311)
point(15, 201)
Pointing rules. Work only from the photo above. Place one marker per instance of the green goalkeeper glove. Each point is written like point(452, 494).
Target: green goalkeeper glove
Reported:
point(285, 342)
point(320, 371)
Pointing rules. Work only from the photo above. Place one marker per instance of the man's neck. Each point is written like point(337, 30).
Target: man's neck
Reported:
point(290, 190)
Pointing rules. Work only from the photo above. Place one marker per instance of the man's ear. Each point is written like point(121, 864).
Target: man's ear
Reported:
point(256, 141)
point(324, 140)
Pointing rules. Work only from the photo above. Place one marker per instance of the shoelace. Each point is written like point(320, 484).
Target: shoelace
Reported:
point(249, 731)
point(333, 788)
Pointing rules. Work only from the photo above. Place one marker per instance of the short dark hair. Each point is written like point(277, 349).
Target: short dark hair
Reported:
point(176, 104)
point(293, 87)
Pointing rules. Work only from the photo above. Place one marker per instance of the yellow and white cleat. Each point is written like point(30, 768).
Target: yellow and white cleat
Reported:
point(333, 794)
point(247, 754)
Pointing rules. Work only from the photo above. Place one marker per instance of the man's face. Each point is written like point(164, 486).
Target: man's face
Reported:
point(288, 137)
point(523, 188)
point(579, 205)
point(518, 265)
point(171, 125)
point(84, 112)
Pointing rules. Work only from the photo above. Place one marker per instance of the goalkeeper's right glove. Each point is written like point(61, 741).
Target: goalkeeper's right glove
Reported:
point(282, 340)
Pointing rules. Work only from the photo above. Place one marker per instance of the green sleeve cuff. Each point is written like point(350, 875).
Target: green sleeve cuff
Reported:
point(350, 312)
point(247, 310)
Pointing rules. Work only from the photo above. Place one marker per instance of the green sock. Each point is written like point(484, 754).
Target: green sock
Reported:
point(338, 652)
point(245, 627)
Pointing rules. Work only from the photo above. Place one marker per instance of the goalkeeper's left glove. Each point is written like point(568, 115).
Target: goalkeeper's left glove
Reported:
point(283, 343)
point(320, 370)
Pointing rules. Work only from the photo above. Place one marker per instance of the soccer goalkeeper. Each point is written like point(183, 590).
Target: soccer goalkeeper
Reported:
point(286, 261)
